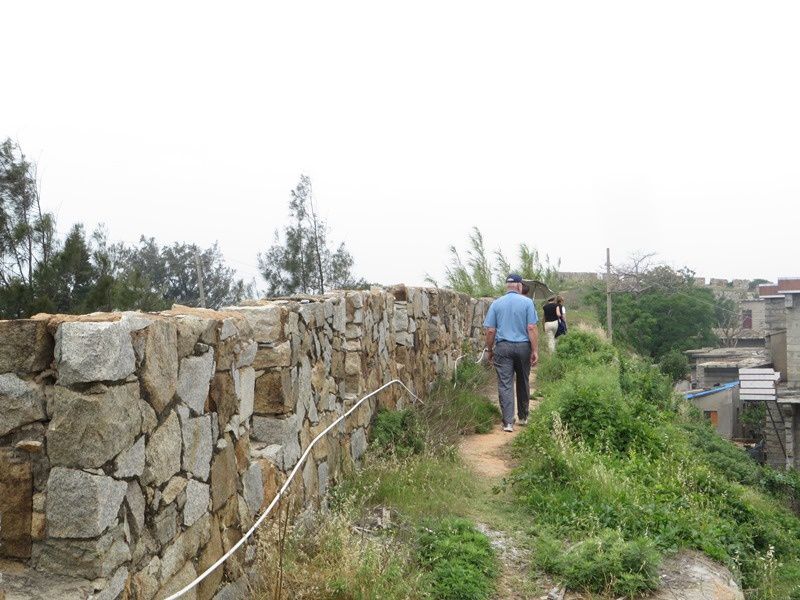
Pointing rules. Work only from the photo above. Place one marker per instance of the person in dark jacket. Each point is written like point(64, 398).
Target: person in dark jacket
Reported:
point(552, 314)
point(562, 321)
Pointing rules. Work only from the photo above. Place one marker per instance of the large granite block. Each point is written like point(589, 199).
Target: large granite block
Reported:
point(81, 505)
point(92, 351)
point(87, 430)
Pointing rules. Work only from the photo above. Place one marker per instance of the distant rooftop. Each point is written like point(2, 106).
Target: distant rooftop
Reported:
point(731, 358)
point(785, 285)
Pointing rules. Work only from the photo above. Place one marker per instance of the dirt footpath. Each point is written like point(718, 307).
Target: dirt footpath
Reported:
point(489, 456)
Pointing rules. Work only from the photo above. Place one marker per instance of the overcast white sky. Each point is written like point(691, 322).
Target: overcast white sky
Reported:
point(671, 127)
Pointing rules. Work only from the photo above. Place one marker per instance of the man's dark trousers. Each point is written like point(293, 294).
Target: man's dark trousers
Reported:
point(513, 359)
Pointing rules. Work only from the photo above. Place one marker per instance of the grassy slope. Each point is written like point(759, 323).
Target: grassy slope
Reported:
point(617, 472)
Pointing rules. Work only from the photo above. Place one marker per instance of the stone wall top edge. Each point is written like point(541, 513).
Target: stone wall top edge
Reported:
point(297, 299)
point(53, 320)
point(177, 310)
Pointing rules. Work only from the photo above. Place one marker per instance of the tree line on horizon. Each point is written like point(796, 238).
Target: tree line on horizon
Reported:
point(658, 311)
point(80, 272)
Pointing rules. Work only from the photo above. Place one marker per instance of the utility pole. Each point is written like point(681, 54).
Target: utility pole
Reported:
point(199, 268)
point(608, 296)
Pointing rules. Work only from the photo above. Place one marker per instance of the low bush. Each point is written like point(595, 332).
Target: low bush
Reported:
point(469, 374)
point(332, 561)
point(639, 378)
point(609, 563)
point(675, 365)
point(581, 347)
point(479, 414)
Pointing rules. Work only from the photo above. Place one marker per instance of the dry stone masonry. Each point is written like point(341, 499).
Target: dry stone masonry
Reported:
point(136, 449)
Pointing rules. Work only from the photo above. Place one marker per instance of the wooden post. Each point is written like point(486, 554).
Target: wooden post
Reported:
point(199, 268)
point(608, 296)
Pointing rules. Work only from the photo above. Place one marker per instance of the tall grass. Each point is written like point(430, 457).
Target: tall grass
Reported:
point(411, 472)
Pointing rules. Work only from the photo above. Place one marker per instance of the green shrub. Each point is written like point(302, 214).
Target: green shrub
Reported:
point(459, 559)
point(583, 347)
point(551, 368)
point(719, 454)
point(641, 379)
point(481, 415)
point(752, 417)
point(452, 412)
point(398, 432)
point(675, 365)
point(590, 404)
point(607, 563)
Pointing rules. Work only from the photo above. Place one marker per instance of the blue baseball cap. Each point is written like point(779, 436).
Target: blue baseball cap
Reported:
point(513, 278)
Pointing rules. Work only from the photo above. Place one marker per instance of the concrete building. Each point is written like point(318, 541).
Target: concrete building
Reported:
point(754, 315)
point(774, 313)
point(754, 323)
point(715, 383)
point(782, 326)
point(722, 407)
point(711, 367)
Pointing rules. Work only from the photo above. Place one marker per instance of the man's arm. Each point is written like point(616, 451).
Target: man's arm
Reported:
point(490, 325)
point(533, 333)
point(490, 333)
point(533, 336)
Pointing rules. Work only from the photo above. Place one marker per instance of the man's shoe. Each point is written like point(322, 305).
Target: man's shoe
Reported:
point(523, 421)
point(508, 428)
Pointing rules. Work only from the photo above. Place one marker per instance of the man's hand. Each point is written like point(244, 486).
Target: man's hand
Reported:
point(490, 334)
point(534, 357)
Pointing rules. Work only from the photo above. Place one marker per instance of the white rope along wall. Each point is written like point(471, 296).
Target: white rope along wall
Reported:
point(285, 486)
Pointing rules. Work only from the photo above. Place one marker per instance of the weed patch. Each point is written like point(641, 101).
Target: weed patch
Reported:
point(453, 411)
point(460, 561)
point(398, 432)
point(605, 562)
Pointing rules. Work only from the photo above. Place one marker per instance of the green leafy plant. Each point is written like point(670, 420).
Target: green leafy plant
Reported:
point(752, 417)
point(674, 364)
point(479, 275)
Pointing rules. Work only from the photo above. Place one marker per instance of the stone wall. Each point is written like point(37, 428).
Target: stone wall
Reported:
point(135, 449)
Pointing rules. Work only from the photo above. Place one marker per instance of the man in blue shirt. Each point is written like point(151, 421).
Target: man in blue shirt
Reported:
point(512, 342)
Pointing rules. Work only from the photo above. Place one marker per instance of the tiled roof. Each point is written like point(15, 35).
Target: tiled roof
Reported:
point(790, 285)
point(768, 289)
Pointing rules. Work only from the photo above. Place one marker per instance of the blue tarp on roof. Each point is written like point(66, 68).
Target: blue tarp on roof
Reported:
point(714, 390)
